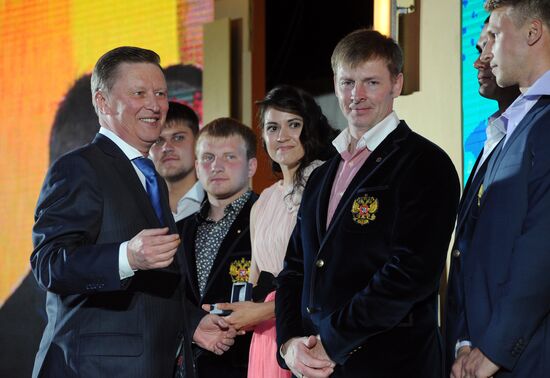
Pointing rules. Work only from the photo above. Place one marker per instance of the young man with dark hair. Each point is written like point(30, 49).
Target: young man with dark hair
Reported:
point(174, 156)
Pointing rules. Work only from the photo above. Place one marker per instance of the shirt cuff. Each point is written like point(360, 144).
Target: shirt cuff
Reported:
point(461, 344)
point(124, 268)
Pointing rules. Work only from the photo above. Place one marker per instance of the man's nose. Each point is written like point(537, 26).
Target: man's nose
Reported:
point(358, 92)
point(217, 164)
point(167, 146)
point(153, 102)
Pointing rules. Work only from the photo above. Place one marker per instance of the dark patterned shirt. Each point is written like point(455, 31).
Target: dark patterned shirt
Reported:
point(210, 235)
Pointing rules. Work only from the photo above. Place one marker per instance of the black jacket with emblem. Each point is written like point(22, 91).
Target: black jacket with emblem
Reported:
point(368, 284)
point(234, 247)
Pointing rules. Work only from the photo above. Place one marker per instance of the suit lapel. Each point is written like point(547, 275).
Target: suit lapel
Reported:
point(188, 235)
point(128, 174)
point(472, 189)
point(498, 157)
point(377, 159)
point(324, 195)
point(237, 231)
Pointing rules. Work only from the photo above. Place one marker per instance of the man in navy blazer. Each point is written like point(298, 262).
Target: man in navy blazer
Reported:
point(506, 285)
point(103, 251)
point(358, 294)
point(468, 209)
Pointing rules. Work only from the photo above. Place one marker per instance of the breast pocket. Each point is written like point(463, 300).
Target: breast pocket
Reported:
point(367, 211)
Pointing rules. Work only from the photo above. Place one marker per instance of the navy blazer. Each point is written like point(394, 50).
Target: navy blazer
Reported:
point(506, 280)
point(370, 288)
point(234, 247)
point(468, 213)
point(99, 326)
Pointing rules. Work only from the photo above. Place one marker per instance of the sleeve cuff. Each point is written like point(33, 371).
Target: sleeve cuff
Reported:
point(124, 269)
point(461, 344)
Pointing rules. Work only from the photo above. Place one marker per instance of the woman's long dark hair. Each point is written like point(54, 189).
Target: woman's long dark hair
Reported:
point(317, 134)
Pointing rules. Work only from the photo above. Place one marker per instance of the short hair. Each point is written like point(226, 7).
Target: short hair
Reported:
point(178, 112)
point(317, 134)
point(226, 127)
point(523, 9)
point(75, 123)
point(105, 70)
point(365, 44)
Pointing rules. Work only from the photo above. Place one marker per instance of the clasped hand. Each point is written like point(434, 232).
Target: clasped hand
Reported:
point(214, 334)
point(472, 363)
point(306, 357)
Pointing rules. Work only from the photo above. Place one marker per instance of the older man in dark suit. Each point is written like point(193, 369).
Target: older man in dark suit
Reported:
point(358, 295)
point(105, 240)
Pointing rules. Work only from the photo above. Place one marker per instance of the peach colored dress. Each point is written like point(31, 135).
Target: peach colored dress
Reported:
point(272, 220)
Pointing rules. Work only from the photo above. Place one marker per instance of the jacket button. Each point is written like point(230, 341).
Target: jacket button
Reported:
point(319, 263)
point(456, 253)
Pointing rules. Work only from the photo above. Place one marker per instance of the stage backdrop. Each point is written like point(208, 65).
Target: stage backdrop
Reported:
point(475, 109)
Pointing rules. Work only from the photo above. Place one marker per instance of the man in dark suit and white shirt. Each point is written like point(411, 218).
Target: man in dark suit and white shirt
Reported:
point(105, 240)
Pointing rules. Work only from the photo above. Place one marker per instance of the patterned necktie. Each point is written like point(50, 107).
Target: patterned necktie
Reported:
point(148, 169)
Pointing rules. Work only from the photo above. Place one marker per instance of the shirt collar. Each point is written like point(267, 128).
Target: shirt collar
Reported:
point(196, 193)
point(130, 151)
point(372, 138)
point(234, 207)
point(540, 87)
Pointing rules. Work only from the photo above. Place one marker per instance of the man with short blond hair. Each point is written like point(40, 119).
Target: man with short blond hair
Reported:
point(358, 294)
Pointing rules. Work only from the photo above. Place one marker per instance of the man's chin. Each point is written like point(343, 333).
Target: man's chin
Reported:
point(174, 176)
point(488, 91)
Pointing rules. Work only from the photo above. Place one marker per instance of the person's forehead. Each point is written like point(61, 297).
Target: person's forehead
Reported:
point(139, 71)
point(497, 16)
point(175, 127)
point(211, 144)
point(273, 113)
point(374, 65)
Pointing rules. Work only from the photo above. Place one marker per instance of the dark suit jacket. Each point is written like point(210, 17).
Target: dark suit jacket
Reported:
point(468, 212)
point(234, 247)
point(506, 278)
point(100, 326)
point(370, 290)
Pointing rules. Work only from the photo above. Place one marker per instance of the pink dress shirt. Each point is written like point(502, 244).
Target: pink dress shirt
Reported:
point(352, 162)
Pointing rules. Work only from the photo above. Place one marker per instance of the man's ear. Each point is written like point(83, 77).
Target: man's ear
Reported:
point(397, 85)
point(101, 102)
point(534, 31)
point(252, 166)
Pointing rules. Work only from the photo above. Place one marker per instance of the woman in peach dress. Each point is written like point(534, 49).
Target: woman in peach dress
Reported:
point(297, 137)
